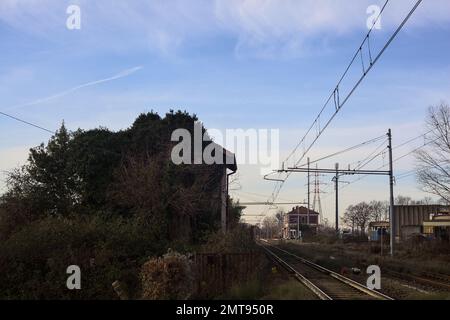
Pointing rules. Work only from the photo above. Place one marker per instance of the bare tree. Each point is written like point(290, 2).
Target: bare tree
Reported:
point(403, 201)
point(359, 215)
point(363, 215)
point(433, 169)
point(427, 200)
point(270, 227)
point(380, 210)
point(350, 218)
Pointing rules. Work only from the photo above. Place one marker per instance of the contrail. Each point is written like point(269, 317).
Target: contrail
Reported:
point(121, 74)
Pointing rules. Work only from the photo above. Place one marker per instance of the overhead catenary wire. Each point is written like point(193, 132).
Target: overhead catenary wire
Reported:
point(245, 194)
point(423, 135)
point(372, 156)
point(341, 79)
point(363, 164)
point(395, 160)
point(360, 145)
point(413, 139)
point(335, 95)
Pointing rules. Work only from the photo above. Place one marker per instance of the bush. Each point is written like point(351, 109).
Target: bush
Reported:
point(167, 278)
point(237, 240)
point(33, 261)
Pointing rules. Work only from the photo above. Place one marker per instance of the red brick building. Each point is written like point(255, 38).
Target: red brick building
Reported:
point(300, 218)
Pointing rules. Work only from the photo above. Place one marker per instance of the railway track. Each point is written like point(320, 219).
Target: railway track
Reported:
point(324, 283)
point(426, 280)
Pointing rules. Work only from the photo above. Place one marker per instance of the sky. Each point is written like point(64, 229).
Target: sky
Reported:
point(237, 64)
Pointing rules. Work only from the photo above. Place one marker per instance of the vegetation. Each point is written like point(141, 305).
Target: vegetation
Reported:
point(106, 201)
point(358, 216)
point(433, 170)
point(168, 277)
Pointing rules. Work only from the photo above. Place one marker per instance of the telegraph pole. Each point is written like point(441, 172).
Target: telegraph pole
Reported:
point(391, 196)
point(309, 195)
point(336, 180)
point(340, 172)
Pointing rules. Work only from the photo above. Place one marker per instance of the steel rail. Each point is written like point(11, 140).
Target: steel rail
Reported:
point(337, 276)
point(311, 286)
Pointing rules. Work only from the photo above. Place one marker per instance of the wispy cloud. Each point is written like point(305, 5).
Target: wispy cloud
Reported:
point(267, 26)
point(122, 74)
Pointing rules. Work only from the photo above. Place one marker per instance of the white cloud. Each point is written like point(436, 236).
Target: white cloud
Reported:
point(266, 27)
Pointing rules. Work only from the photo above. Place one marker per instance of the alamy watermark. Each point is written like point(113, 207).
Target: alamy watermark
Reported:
point(251, 146)
point(73, 21)
point(374, 19)
point(374, 279)
point(74, 280)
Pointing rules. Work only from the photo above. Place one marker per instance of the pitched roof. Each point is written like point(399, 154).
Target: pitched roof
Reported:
point(302, 210)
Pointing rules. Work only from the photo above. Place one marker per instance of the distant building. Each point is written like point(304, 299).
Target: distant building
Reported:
point(378, 229)
point(412, 220)
point(438, 227)
point(409, 219)
point(300, 218)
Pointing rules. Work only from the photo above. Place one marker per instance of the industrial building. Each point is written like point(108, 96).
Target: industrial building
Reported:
point(300, 221)
point(410, 220)
point(438, 227)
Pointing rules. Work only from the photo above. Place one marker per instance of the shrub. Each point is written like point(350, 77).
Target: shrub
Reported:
point(33, 261)
point(169, 277)
point(237, 240)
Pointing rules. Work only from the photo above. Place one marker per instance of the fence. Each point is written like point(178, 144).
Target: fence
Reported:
point(216, 273)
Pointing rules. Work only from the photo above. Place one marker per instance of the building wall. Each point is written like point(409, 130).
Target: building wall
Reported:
point(291, 219)
point(313, 219)
point(409, 216)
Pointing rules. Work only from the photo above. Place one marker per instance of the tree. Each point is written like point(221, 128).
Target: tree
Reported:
point(433, 169)
point(235, 211)
point(380, 210)
point(403, 201)
point(363, 215)
point(280, 217)
point(127, 173)
point(359, 216)
point(269, 227)
point(350, 218)
point(49, 181)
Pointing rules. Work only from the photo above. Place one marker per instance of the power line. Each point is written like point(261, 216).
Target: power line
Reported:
point(413, 139)
point(406, 175)
point(26, 122)
point(409, 173)
point(345, 150)
point(336, 98)
point(333, 94)
point(237, 192)
point(371, 157)
point(417, 149)
point(397, 159)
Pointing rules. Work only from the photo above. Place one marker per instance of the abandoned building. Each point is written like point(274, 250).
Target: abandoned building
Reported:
point(300, 221)
point(218, 196)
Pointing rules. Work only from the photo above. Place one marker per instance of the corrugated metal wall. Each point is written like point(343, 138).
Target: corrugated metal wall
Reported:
point(413, 215)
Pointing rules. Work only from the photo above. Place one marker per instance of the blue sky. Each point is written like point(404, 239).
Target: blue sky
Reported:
point(235, 63)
